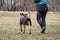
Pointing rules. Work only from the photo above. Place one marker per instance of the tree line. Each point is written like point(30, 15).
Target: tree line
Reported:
point(26, 5)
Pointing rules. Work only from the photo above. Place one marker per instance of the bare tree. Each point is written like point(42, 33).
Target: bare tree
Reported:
point(1, 4)
point(13, 7)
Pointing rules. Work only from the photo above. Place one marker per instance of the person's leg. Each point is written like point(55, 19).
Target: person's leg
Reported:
point(43, 22)
point(39, 18)
point(39, 14)
point(44, 19)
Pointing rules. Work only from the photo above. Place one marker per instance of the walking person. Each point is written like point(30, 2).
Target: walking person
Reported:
point(42, 9)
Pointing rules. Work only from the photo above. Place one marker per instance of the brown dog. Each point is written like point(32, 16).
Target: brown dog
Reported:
point(25, 21)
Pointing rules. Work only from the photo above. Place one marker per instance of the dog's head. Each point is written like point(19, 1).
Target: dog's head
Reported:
point(26, 14)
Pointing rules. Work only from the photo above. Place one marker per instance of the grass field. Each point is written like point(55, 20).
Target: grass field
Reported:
point(9, 27)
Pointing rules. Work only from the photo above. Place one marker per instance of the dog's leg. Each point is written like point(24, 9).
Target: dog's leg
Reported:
point(24, 28)
point(21, 28)
point(29, 22)
point(30, 30)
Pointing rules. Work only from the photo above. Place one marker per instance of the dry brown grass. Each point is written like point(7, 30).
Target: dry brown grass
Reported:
point(9, 27)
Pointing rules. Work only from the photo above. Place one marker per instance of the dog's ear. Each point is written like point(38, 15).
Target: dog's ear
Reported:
point(21, 14)
point(25, 15)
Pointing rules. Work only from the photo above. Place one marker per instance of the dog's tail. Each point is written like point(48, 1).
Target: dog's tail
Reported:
point(29, 13)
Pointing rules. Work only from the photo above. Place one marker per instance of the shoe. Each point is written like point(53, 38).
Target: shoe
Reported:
point(43, 30)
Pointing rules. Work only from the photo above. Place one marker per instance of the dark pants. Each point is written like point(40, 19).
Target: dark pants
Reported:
point(41, 19)
point(41, 15)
